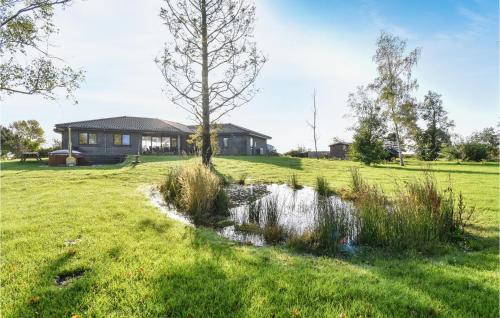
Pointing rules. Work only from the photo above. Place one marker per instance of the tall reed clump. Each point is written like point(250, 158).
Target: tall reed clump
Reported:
point(418, 217)
point(322, 187)
point(293, 182)
point(273, 231)
point(333, 228)
point(196, 191)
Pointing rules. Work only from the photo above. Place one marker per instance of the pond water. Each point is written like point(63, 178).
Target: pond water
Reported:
point(296, 211)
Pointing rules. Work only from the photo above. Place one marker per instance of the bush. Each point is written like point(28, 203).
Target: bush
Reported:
point(367, 147)
point(473, 151)
point(419, 217)
point(300, 152)
point(196, 191)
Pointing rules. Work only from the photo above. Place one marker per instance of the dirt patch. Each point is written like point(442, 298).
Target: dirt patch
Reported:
point(67, 277)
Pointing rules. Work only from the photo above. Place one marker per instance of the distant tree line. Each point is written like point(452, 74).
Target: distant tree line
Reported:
point(386, 115)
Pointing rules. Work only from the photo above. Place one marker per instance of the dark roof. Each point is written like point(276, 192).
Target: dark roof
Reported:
point(229, 128)
point(129, 124)
point(340, 143)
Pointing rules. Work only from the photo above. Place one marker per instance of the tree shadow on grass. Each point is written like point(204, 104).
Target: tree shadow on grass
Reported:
point(150, 224)
point(283, 162)
point(457, 294)
point(200, 289)
point(48, 299)
point(16, 165)
point(435, 169)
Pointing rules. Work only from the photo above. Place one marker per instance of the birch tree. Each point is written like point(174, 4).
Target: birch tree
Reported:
point(211, 62)
point(395, 86)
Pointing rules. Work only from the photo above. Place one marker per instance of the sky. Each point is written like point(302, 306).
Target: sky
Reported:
point(325, 45)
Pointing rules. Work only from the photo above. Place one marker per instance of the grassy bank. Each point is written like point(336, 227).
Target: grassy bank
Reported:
point(139, 263)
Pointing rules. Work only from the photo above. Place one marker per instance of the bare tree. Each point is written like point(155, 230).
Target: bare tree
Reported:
point(211, 63)
point(395, 85)
point(26, 66)
point(313, 124)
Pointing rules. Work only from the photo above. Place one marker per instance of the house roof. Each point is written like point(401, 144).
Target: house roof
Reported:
point(129, 124)
point(340, 143)
point(229, 128)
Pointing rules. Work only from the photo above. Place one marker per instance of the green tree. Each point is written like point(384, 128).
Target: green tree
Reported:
point(395, 86)
point(488, 137)
point(475, 151)
point(7, 140)
point(436, 134)
point(368, 146)
point(196, 139)
point(28, 135)
point(27, 67)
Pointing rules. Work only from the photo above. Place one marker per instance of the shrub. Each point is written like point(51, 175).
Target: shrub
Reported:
point(196, 191)
point(367, 147)
point(322, 187)
point(474, 151)
point(293, 182)
point(300, 152)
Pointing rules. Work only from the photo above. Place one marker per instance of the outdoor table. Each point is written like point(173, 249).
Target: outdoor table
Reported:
point(28, 154)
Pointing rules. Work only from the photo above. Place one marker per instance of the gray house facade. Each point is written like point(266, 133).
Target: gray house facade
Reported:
point(139, 135)
point(340, 150)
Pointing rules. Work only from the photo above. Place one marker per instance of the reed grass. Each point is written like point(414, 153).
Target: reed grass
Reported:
point(293, 182)
point(420, 216)
point(322, 187)
point(196, 191)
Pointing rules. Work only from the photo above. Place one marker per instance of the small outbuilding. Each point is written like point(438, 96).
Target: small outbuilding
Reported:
point(340, 150)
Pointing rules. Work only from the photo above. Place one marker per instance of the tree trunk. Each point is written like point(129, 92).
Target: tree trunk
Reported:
point(314, 126)
point(398, 142)
point(206, 148)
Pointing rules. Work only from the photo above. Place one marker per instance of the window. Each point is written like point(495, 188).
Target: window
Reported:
point(121, 140)
point(87, 138)
point(165, 143)
point(174, 143)
point(251, 142)
point(155, 143)
point(225, 141)
point(146, 143)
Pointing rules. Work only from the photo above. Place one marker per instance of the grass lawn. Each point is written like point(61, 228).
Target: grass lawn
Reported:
point(138, 263)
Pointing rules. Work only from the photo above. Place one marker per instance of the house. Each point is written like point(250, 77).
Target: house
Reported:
point(339, 150)
point(119, 136)
point(236, 140)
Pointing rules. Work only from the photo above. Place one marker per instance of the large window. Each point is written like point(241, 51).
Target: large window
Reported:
point(146, 144)
point(87, 138)
point(165, 143)
point(225, 141)
point(121, 140)
point(157, 144)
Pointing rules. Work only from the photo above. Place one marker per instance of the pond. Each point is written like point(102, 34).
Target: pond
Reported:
point(255, 208)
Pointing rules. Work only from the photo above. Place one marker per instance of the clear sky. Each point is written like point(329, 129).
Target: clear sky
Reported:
point(327, 45)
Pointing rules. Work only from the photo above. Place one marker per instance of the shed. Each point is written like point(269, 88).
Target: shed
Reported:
point(340, 150)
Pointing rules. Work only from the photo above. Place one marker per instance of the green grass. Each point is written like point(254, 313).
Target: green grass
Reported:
point(141, 264)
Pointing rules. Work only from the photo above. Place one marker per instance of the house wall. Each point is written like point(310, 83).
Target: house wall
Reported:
point(339, 151)
point(240, 145)
point(105, 142)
